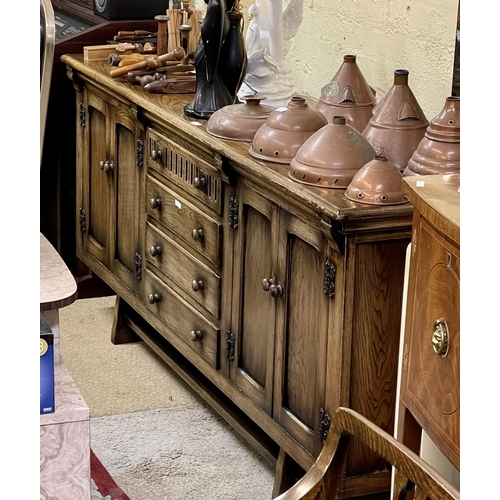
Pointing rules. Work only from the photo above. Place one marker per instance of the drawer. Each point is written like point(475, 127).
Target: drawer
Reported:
point(200, 284)
point(199, 231)
point(191, 173)
point(433, 381)
point(197, 332)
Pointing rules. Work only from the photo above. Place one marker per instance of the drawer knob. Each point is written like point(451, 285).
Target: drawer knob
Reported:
point(154, 297)
point(195, 335)
point(440, 337)
point(155, 203)
point(198, 234)
point(270, 286)
point(197, 285)
point(199, 182)
point(156, 154)
point(155, 251)
point(106, 166)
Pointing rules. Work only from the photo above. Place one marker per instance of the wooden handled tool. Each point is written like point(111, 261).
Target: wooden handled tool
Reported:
point(152, 62)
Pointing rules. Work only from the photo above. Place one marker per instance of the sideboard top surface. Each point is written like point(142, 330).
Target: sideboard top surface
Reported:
point(169, 108)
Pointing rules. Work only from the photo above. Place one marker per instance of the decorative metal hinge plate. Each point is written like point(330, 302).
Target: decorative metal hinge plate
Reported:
point(140, 152)
point(83, 226)
point(324, 424)
point(233, 212)
point(329, 287)
point(138, 266)
point(82, 115)
point(230, 345)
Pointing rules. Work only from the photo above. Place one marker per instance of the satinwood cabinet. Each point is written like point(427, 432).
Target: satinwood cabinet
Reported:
point(277, 302)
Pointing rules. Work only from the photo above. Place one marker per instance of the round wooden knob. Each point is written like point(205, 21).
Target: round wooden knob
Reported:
point(155, 251)
point(197, 285)
point(199, 182)
point(155, 203)
point(197, 234)
point(154, 297)
point(195, 335)
point(156, 154)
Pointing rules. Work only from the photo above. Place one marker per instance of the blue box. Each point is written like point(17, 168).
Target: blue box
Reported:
point(47, 396)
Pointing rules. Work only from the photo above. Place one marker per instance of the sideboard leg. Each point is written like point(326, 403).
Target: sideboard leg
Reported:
point(121, 333)
point(288, 472)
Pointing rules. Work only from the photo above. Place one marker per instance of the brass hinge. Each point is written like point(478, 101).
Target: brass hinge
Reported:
point(324, 424)
point(140, 152)
point(329, 286)
point(83, 226)
point(230, 345)
point(82, 115)
point(138, 266)
point(233, 212)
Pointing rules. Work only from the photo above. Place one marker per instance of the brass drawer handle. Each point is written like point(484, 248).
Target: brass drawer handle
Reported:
point(155, 251)
point(156, 154)
point(195, 335)
point(440, 337)
point(198, 234)
point(155, 203)
point(270, 286)
point(197, 285)
point(154, 297)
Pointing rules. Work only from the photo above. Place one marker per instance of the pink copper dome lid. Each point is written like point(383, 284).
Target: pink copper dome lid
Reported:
point(348, 94)
point(331, 156)
point(240, 122)
point(285, 130)
point(378, 182)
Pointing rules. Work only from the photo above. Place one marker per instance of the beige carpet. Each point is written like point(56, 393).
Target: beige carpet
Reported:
point(157, 438)
point(115, 378)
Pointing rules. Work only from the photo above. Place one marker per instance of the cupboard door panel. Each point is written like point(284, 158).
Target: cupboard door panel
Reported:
point(301, 332)
point(254, 312)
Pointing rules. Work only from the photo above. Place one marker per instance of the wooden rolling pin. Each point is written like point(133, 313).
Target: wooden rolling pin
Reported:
point(152, 62)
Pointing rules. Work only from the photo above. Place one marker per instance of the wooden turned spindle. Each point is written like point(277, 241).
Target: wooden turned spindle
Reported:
point(162, 41)
point(152, 62)
point(185, 30)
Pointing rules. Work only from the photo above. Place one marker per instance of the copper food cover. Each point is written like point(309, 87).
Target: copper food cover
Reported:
point(331, 156)
point(285, 130)
point(348, 94)
point(438, 153)
point(398, 123)
point(379, 182)
point(240, 122)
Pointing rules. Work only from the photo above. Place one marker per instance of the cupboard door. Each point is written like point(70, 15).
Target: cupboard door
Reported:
point(254, 309)
point(301, 331)
point(127, 254)
point(97, 184)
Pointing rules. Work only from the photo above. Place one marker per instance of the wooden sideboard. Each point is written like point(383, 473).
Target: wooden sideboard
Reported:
point(277, 302)
point(430, 379)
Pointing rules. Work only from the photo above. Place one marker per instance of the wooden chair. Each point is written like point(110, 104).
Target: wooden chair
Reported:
point(414, 479)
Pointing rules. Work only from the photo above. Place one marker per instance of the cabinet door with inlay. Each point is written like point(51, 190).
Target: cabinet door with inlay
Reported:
point(251, 342)
point(301, 331)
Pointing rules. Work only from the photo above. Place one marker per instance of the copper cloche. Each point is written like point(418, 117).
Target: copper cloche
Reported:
point(285, 130)
point(348, 94)
point(240, 122)
point(379, 182)
point(331, 156)
point(439, 151)
point(398, 123)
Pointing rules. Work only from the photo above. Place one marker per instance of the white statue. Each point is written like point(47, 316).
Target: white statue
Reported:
point(269, 33)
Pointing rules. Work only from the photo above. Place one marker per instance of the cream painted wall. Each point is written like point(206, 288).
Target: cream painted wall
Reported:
point(385, 35)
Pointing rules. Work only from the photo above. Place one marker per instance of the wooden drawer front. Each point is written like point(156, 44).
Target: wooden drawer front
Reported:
point(191, 327)
point(184, 220)
point(200, 284)
point(433, 379)
point(185, 169)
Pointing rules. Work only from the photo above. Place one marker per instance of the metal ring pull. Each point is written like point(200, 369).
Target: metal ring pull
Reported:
point(440, 337)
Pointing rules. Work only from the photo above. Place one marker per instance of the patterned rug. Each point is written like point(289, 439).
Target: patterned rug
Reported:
point(103, 485)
